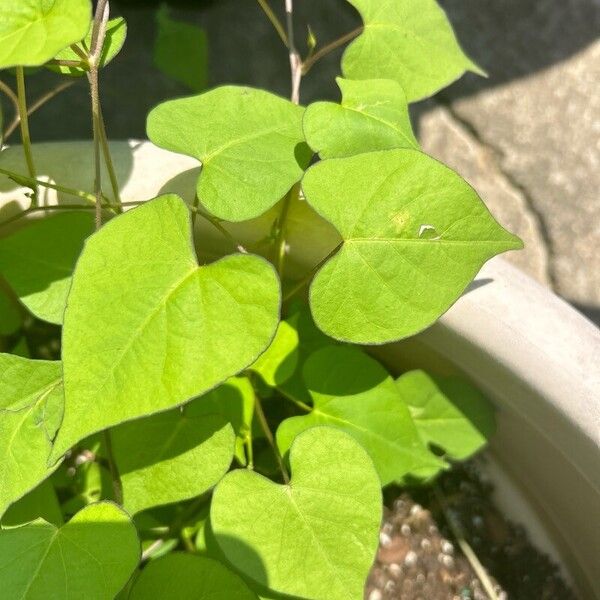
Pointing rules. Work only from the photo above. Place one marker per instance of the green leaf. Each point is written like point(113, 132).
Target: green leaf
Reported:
point(173, 456)
point(153, 329)
point(373, 116)
point(408, 41)
point(116, 32)
point(182, 576)
point(278, 363)
point(181, 51)
point(31, 407)
point(414, 235)
point(41, 502)
point(10, 316)
point(354, 393)
point(449, 412)
point(92, 556)
point(315, 537)
point(250, 143)
point(234, 400)
point(33, 31)
point(38, 261)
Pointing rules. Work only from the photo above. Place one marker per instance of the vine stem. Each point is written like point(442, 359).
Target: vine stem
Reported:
point(24, 123)
point(36, 105)
point(280, 244)
point(295, 60)
point(112, 467)
point(465, 547)
point(264, 4)
point(327, 49)
point(258, 409)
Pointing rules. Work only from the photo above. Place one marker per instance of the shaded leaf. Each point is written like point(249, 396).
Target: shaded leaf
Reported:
point(181, 51)
point(33, 31)
point(38, 261)
point(116, 32)
point(449, 413)
point(182, 576)
point(155, 330)
point(414, 235)
point(234, 400)
point(250, 143)
point(373, 115)
point(10, 316)
point(173, 456)
point(316, 537)
point(92, 556)
point(41, 502)
point(354, 393)
point(408, 41)
point(278, 362)
point(31, 408)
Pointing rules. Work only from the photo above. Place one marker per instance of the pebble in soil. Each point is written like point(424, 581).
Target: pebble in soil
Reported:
point(418, 558)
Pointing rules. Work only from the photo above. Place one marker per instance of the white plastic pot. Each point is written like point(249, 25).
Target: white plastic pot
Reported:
point(535, 356)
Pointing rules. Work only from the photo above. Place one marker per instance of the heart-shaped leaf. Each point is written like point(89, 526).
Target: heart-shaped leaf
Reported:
point(41, 502)
point(182, 576)
point(373, 116)
point(234, 400)
point(38, 261)
point(34, 31)
point(354, 393)
point(172, 456)
point(116, 32)
point(146, 328)
point(448, 412)
point(315, 537)
point(250, 143)
point(414, 235)
point(31, 408)
point(92, 556)
point(10, 316)
point(408, 41)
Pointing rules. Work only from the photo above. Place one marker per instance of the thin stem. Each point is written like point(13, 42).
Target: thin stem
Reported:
point(258, 409)
point(300, 284)
point(305, 407)
point(11, 95)
point(36, 105)
point(82, 55)
point(249, 452)
point(274, 20)
point(325, 50)
point(470, 555)
point(67, 63)
point(114, 183)
point(217, 225)
point(295, 60)
point(112, 466)
point(24, 122)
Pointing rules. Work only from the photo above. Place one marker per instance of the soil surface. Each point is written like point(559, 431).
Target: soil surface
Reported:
point(420, 558)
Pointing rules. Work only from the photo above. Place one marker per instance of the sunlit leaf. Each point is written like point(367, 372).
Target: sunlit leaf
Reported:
point(31, 408)
point(34, 31)
point(116, 32)
point(181, 51)
point(92, 556)
point(181, 576)
point(373, 115)
point(354, 393)
point(414, 235)
point(250, 143)
point(147, 329)
point(38, 261)
point(409, 41)
point(448, 412)
point(315, 537)
point(172, 456)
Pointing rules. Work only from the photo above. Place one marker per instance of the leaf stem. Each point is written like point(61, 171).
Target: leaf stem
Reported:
point(280, 229)
point(264, 4)
point(36, 105)
point(258, 409)
point(310, 61)
point(470, 555)
point(24, 122)
point(112, 466)
point(217, 225)
point(306, 279)
point(11, 95)
point(249, 452)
